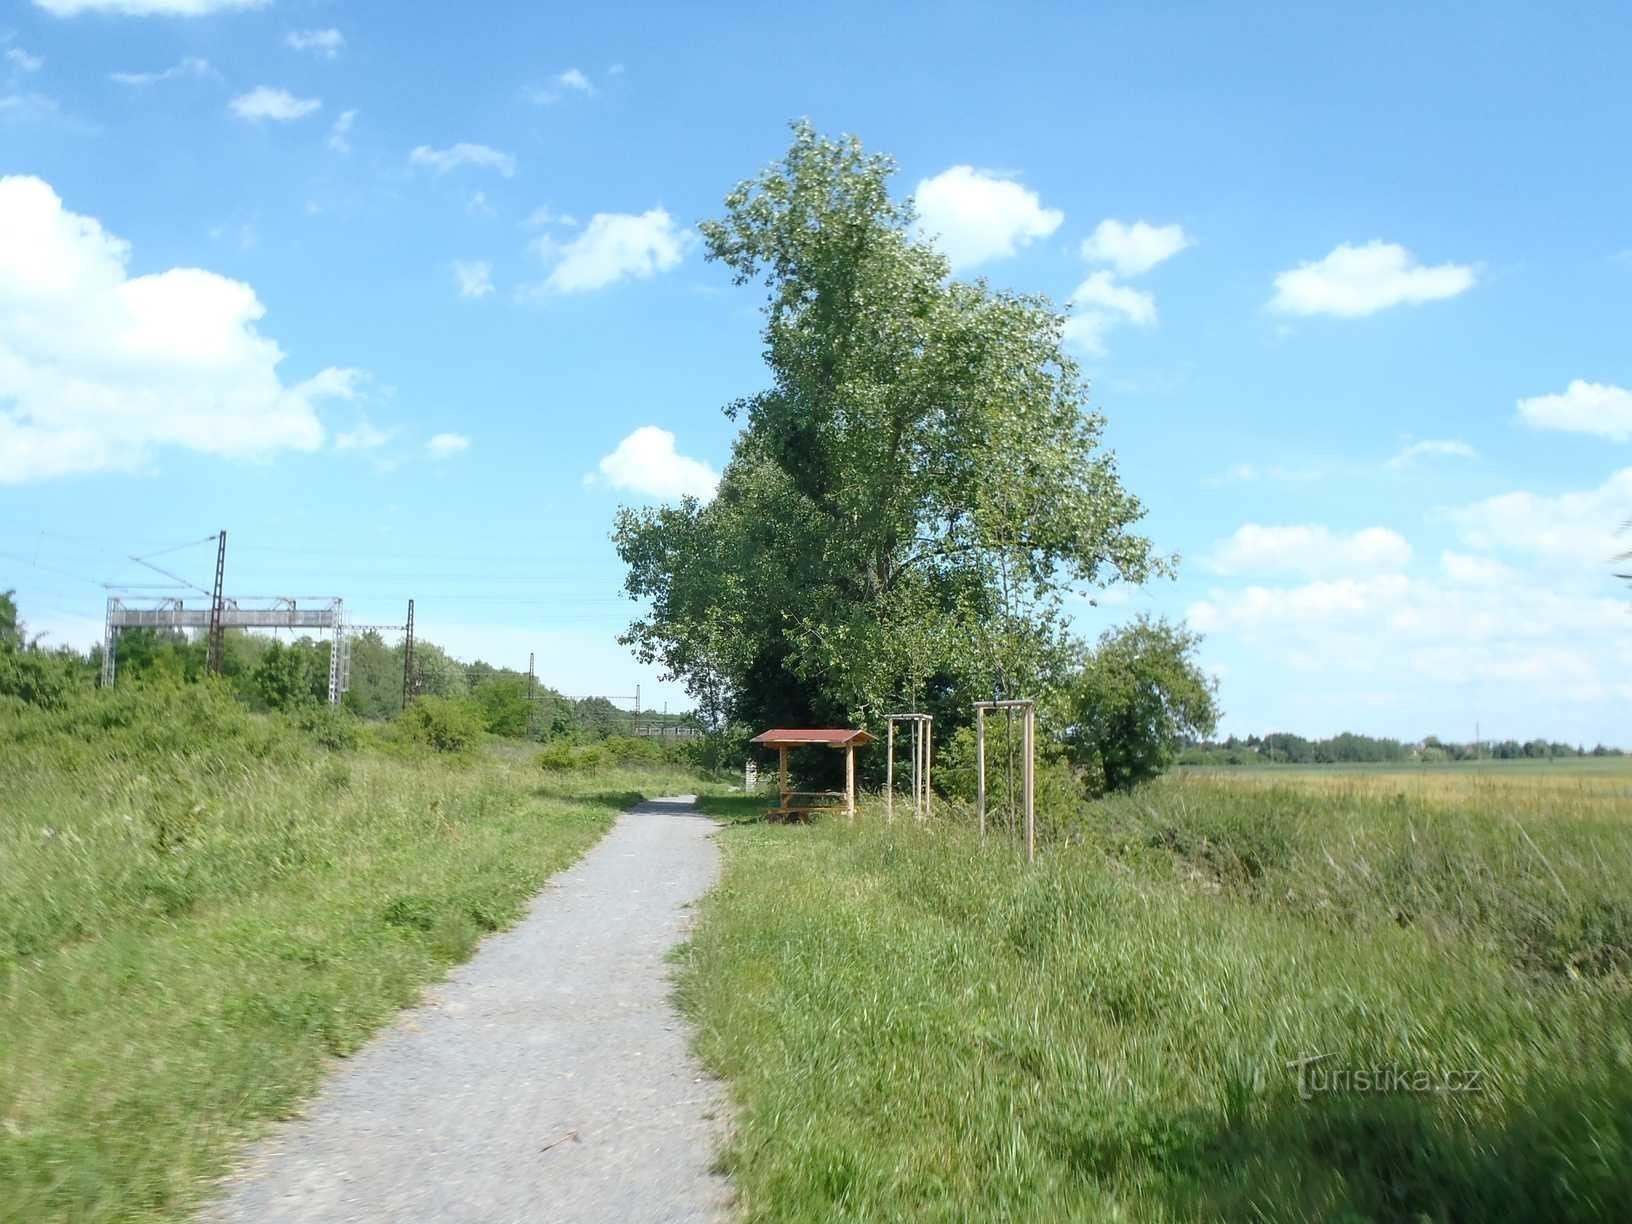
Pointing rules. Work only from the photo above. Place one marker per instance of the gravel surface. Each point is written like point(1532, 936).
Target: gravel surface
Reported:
point(548, 1079)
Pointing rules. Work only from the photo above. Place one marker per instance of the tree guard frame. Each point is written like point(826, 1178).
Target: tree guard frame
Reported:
point(1028, 764)
point(920, 737)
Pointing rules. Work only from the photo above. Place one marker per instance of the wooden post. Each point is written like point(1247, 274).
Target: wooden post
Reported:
point(928, 740)
point(889, 773)
point(1029, 776)
point(980, 766)
point(782, 780)
point(850, 781)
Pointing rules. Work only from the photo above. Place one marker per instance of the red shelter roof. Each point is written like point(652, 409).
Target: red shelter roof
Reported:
point(829, 737)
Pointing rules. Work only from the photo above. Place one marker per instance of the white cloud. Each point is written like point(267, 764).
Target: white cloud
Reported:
point(1099, 304)
point(478, 205)
point(447, 445)
point(279, 105)
point(340, 133)
point(1134, 249)
point(474, 277)
point(569, 82)
point(366, 436)
point(545, 215)
point(1451, 448)
point(973, 216)
point(1309, 549)
point(100, 370)
point(1360, 280)
point(22, 61)
point(326, 44)
point(483, 157)
point(1600, 409)
point(646, 462)
point(1474, 571)
point(1579, 531)
point(614, 247)
point(189, 67)
point(146, 8)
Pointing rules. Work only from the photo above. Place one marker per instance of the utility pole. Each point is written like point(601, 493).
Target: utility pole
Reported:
point(531, 680)
point(217, 644)
point(408, 658)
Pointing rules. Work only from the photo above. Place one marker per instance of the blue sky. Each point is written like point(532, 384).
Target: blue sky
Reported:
point(408, 299)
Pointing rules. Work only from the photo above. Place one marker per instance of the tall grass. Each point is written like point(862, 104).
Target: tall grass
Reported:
point(916, 1025)
point(200, 906)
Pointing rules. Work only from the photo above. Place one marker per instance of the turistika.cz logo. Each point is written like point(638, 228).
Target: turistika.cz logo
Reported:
point(1317, 1077)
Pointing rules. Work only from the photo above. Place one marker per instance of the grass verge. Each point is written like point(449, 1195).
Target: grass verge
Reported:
point(916, 1026)
point(199, 908)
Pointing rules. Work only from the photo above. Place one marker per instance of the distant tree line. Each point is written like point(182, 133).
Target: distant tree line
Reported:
point(272, 673)
point(1285, 748)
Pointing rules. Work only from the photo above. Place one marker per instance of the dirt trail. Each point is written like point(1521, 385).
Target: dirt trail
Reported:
point(547, 1079)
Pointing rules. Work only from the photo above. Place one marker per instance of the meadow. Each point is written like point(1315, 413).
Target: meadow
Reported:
point(201, 907)
point(916, 1024)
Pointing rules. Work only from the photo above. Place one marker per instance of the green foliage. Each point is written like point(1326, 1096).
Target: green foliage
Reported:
point(503, 698)
point(626, 751)
point(290, 675)
point(1139, 696)
point(907, 503)
point(443, 724)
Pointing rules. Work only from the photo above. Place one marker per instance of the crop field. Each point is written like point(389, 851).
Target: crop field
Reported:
point(1297, 994)
point(1575, 786)
point(200, 908)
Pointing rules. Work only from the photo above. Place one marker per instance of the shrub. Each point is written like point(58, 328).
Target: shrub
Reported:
point(329, 726)
point(442, 724)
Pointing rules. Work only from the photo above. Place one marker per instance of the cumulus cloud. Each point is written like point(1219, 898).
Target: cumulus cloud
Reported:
point(340, 133)
point(1309, 549)
point(974, 216)
point(101, 371)
point(146, 8)
point(1577, 530)
point(474, 277)
point(647, 462)
point(615, 247)
point(279, 105)
point(1429, 448)
point(22, 61)
point(326, 44)
point(1134, 249)
point(188, 67)
point(447, 445)
point(1099, 304)
point(482, 157)
point(571, 81)
point(1360, 280)
point(1600, 409)
point(366, 436)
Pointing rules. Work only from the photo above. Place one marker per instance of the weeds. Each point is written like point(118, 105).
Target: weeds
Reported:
point(915, 1025)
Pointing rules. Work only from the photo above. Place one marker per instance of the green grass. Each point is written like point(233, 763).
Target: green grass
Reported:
point(914, 1025)
point(199, 909)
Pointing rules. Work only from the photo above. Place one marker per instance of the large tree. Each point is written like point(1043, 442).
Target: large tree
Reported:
point(911, 497)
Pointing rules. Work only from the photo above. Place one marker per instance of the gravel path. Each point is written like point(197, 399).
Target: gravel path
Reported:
point(548, 1079)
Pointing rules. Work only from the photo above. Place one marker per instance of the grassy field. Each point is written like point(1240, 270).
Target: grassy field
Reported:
point(199, 908)
point(917, 1025)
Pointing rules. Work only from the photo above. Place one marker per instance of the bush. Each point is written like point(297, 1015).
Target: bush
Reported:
point(329, 726)
point(442, 724)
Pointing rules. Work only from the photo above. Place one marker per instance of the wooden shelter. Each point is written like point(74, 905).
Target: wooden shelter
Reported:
point(782, 739)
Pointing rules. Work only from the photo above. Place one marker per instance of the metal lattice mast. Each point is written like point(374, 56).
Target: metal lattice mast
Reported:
point(217, 634)
point(408, 658)
point(339, 662)
point(109, 636)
